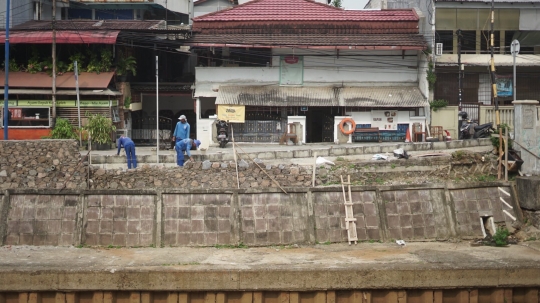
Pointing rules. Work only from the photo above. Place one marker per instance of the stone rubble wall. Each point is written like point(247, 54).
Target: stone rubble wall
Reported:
point(41, 164)
point(201, 175)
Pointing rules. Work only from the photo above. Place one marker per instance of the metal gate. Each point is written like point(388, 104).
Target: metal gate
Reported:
point(472, 110)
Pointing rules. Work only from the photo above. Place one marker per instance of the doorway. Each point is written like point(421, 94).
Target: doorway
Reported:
point(320, 124)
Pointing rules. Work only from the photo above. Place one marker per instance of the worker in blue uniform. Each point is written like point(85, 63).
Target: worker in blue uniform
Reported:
point(129, 147)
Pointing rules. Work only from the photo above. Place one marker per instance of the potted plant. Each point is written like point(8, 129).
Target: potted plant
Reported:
point(63, 130)
point(100, 130)
point(127, 102)
point(125, 66)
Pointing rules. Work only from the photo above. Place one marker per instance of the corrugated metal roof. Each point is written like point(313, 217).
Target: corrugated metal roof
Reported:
point(396, 96)
point(67, 80)
point(285, 10)
point(321, 96)
point(415, 41)
point(81, 25)
point(104, 92)
point(62, 37)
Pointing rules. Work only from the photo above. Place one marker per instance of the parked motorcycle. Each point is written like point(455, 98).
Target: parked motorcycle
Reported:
point(471, 130)
point(222, 132)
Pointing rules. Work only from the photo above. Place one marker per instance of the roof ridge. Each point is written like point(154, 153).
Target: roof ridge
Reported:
point(252, 2)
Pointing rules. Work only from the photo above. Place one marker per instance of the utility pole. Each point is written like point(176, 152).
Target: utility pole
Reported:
point(460, 82)
point(53, 64)
point(495, 100)
point(6, 80)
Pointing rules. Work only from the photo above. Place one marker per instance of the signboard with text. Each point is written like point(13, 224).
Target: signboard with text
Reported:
point(231, 113)
point(62, 103)
point(384, 119)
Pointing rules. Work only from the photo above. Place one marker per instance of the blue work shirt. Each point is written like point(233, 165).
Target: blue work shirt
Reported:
point(122, 142)
point(184, 145)
point(181, 131)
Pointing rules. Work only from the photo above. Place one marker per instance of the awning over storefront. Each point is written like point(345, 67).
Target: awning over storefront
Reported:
point(62, 37)
point(95, 92)
point(67, 80)
point(383, 96)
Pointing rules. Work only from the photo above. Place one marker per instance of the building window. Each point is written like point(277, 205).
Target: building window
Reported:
point(485, 44)
point(447, 39)
point(468, 42)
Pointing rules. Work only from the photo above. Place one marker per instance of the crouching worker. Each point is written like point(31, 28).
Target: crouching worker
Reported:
point(129, 147)
point(185, 145)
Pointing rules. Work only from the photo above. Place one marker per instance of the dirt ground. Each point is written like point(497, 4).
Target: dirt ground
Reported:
point(420, 168)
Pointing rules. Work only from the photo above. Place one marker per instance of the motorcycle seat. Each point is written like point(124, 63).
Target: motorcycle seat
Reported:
point(487, 125)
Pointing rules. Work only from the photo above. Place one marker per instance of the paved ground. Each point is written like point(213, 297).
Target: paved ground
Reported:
point(419, 264)
point(460, 254)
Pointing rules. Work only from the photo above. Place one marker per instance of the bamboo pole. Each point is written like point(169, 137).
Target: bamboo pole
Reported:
point(506, 154)
point(314, 168)
point(235, 161)
point(276, 182)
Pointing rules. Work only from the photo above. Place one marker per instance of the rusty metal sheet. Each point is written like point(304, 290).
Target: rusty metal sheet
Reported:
point(67, 80)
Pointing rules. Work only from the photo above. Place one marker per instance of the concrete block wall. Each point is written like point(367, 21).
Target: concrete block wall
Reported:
point(119, 220)
point(43, 220)
point(329, 212)
point(415, 214)
point(198, 219)
point(470, 204)
point(273, 218)
point(253, 217)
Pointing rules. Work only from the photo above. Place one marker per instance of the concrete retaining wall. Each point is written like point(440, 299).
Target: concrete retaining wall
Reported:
point(253, 217)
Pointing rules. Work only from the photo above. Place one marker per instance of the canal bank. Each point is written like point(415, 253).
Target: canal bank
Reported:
point(379, 270)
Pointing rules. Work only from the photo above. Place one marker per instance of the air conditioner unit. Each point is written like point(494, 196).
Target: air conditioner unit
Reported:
point(438, 49)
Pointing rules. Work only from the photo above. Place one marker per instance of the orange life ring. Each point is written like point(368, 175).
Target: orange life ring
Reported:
point(347, 120)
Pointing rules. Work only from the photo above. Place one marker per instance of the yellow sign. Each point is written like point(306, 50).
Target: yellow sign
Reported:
point(232, 113)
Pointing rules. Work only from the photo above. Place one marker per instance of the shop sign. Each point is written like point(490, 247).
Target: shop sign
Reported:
point(232, 113)
point(384, 119)
point(64, 103)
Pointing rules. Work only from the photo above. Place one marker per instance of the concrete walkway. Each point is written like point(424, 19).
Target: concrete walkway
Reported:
point(337, 266)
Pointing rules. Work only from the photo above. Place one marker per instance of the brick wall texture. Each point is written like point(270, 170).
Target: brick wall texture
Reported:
point(329, 213)
point(119, 220)
point(197, 219)
point(472, 203)
point(255, 218)
point(42, 220)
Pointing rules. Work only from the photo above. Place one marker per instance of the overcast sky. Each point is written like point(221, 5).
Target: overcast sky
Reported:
point(354, 4)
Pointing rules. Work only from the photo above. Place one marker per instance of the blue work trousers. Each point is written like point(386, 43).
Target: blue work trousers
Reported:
point(180, 157)
point(130, 155)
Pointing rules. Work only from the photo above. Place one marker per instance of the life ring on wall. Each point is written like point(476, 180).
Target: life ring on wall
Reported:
point(343, 122)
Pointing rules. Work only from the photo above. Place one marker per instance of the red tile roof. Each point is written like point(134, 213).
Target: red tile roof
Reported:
point(302, 10)
point(329, 41)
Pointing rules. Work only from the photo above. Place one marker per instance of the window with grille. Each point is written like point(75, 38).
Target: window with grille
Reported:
point(447, 40)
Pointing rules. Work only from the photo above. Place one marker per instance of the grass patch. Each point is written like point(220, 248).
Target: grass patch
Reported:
point(112, 246)
point(340, 159)
point(458, 154)
point(239, 245)
point(486, 178)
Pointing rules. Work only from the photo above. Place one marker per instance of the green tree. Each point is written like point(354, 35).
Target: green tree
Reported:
point(336, 3)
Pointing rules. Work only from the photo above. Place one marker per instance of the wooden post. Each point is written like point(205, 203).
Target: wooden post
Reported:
point(234, 152)
point(314, 169)
point(506, 154)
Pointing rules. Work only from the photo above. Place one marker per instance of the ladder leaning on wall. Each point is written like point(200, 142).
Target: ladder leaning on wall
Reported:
point(350, 221)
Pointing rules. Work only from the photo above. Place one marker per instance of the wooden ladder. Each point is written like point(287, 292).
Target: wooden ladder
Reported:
point(350, 221)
